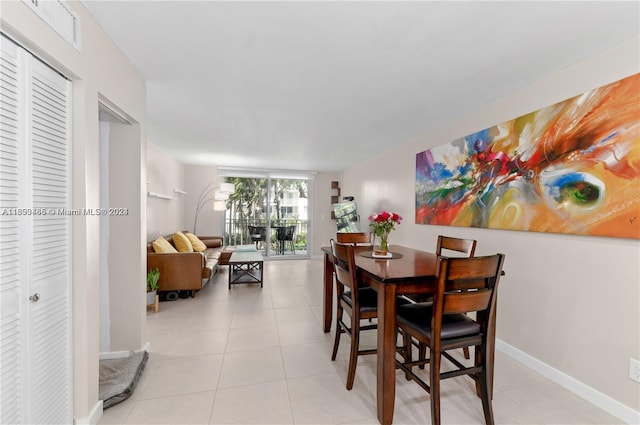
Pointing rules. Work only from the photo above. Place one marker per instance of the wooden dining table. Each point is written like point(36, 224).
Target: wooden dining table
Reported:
point(412, 273)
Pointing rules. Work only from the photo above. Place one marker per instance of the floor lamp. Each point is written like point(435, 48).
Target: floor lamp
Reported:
point(216, 192)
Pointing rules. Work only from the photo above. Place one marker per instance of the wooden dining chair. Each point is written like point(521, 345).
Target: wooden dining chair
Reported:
point(448, 245)
point(462, 285)
point(360, 303)
point(355, 238)
point(445, 246)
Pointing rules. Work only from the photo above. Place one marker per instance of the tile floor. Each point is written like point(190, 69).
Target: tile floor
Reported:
point(258, 356)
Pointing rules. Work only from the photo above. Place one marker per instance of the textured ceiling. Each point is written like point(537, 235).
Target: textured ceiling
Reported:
point(320, 85)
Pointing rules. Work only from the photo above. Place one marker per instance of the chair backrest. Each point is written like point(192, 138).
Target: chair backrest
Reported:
point(258, 232)
point(280, 232)
point(479, 276)
point(447, 244)
point(344, 267)
point(355, 238)
point(289, 232)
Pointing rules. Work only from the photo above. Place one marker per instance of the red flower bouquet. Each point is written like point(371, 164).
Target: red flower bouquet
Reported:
point(382, 224)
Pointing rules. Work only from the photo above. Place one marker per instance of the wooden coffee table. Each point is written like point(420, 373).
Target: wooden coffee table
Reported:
point(246, 267)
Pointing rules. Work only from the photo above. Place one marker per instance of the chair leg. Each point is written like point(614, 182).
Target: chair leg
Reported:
point(465, 350)
point(353, 358)
point(336, 342)
point(486, 399)
point(406, 340)
point(434, 383)
point(422, 353)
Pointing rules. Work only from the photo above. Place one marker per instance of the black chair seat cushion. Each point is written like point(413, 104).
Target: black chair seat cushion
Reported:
point(368, 299)
point(418, 316)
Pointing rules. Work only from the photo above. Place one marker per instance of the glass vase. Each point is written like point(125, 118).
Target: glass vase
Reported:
point(384, 241)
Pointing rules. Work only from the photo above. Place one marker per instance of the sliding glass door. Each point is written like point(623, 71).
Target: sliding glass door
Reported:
point(269, 213)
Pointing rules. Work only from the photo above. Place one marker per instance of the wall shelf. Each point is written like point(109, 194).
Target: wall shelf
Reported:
point(159, 195)
point(335, 196)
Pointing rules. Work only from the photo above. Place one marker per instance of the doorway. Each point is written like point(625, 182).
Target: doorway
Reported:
point(122, 265)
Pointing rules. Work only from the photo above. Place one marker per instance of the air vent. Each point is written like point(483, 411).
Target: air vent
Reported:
point(59, 16)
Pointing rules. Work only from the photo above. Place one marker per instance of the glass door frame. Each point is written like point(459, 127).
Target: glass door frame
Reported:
point(225, 174)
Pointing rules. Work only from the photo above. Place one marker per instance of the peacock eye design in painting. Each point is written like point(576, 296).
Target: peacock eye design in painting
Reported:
point(572, 192)
point(572, 167)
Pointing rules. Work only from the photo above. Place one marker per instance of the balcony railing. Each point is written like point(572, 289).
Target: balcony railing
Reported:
point(239, 232)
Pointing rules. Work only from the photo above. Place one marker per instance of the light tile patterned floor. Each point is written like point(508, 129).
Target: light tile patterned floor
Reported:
point(258, 356)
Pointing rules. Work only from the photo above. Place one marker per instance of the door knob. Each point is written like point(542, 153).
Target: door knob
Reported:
point(35, 297)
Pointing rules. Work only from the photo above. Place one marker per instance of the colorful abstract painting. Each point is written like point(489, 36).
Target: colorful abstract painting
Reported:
point(572, 167)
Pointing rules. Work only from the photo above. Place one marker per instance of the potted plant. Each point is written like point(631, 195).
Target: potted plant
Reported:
point(152, 285)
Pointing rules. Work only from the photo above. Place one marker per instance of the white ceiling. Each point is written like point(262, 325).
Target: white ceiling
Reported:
point(320, 85)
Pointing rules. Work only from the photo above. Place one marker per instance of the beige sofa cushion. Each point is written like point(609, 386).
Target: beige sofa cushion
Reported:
point(181, 242)
point(196, 243)
point(162, 246)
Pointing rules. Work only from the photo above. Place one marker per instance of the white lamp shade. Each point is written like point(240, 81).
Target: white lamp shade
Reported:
point(219, 206)
point(227, 188)
point(220, 196)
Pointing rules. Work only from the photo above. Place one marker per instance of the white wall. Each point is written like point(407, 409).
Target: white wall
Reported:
point(127, 290)
point(572, 302)
point(200, 181)
point(105, 309)
point(99, 68)
point(164, 174)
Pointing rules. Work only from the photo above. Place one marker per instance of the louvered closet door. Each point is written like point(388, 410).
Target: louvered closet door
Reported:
point(12, 252)
point(38, 240)
point(49, 326)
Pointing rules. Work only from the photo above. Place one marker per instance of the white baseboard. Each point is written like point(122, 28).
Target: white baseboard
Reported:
point(603, 401)
point(94, 416)
point(114, 355)
point(121, 354)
